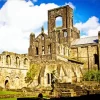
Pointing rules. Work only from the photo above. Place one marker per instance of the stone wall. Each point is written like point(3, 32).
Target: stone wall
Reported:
point(64, 72)
point(13, 69)
point(86, 54)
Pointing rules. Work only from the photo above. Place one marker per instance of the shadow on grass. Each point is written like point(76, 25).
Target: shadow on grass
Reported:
point(85, 97)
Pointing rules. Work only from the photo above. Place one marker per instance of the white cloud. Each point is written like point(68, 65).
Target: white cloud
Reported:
point(90, 27)
point(18, 19)
point(70, 4)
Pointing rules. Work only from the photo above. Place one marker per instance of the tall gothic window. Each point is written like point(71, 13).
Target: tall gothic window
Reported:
point(58, 21)
point(8, 60)
point(96, 59)
point(17, 61)
point(65, 34)
point(48, 78)
point(37, 51)
point(49, 49)
point(42, 50)
point(25, 61)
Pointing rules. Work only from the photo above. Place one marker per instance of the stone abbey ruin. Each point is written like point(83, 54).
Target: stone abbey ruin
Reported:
point(61, 50)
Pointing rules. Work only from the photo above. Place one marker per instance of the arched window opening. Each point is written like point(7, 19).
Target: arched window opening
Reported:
point(37, 52)
point(6, 81)
point(42, 50)
point(17, 61)
point(49, 49)
point(25, 61)
point(52, 77)
point(58, 21)
point(8, 60)
point(48, 78)
point(17, 82)
point(65, 34)
point(96, 59)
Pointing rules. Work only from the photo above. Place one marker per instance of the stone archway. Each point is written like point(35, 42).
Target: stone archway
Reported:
point(17, 84)
point(6, 84)
point(66, 15)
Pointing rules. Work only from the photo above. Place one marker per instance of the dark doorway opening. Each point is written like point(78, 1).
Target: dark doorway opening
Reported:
point(6, 84)
point(48, 78)
point(37, 52)
point(39, 80)
point(96, 60)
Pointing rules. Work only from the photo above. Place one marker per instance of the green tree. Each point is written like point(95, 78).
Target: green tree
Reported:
point(32, 72)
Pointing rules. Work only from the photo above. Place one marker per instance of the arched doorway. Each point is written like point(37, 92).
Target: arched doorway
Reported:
point(17, 82)
point(6, 84)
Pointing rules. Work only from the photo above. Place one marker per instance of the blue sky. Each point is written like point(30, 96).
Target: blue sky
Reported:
point(84, 8)
point(18, 18)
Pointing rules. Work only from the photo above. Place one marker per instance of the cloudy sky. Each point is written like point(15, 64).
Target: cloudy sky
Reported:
point(18, 18)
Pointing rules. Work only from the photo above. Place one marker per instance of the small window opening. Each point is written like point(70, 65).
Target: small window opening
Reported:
point(37, 52)
point(58, 21)
point(42, 50)
point(48, 78)
point(65, 34)
point(49, 49)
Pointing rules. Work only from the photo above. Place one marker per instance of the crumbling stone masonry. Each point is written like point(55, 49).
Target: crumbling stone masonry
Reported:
point(61, 50)
point(64, 44)
point(13, 69)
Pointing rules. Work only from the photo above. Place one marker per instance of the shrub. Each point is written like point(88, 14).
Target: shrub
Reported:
point(92, 75)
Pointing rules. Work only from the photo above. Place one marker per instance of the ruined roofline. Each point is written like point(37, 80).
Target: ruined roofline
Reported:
point(84, 45)
point(60, 8)
point(7, 52)
point(13, 53)
point(40, 35)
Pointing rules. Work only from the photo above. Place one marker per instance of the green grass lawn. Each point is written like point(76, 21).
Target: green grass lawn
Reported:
point(8, 92)
point(9, 99)
point(12, 92)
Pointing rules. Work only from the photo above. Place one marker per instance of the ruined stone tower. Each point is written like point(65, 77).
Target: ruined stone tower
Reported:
point(49, 51)
point(58, 39)
point(63, 45)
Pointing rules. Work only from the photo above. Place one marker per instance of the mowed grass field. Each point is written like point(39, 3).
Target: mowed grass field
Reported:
point(9, 99)
point(8, 92)
point(12, 92)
